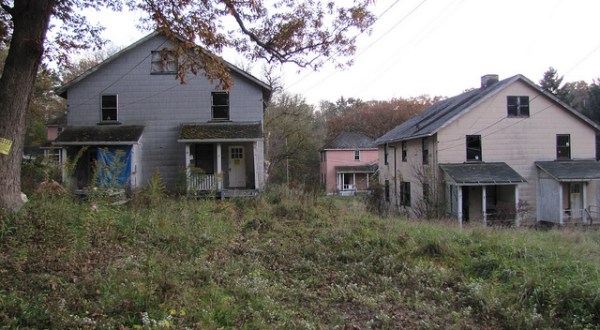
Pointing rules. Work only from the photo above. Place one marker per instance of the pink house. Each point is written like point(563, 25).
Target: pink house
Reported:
point(347, 163)
point(55, 127)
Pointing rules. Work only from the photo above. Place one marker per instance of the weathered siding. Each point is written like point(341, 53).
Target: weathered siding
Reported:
point(517, 141)
point(335, 158)
point(160, 103)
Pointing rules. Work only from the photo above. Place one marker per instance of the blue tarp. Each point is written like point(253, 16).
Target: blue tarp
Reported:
point(114, 166)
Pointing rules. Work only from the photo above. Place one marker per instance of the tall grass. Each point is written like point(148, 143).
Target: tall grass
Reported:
point(283, 260)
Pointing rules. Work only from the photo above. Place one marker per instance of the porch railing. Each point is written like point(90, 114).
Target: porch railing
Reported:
point(202, 182)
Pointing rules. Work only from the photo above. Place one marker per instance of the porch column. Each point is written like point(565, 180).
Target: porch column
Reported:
point(459, 205)
point(63, 160)
point(255, 160)
point(561, 214)
point(188, 172)
point(584, 217)
point(219, 176)
point(484, 204)
point(368, 182)
point(354, 181)
point(517, 215)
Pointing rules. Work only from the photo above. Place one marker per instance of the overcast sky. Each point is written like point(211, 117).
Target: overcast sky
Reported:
point(442, 47)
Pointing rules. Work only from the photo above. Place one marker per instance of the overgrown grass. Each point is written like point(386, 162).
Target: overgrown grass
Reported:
point(286, 261)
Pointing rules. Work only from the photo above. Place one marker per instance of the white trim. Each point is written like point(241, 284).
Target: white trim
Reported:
point(218, 140)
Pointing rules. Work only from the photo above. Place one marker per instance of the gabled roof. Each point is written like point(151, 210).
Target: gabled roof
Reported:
point(480, 173)
point(571, 170)
point(63, 89)
point(101, 134)
point(351, 140)
point(441, 114)
point(227, 131)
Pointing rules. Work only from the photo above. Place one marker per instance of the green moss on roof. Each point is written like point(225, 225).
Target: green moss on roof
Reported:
point(221, 131)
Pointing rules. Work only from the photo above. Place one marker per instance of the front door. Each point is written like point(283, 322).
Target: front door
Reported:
point(237, 167)
point(576, 200)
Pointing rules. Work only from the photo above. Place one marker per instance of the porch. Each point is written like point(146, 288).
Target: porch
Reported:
point(223, 159)
point(568, 192)
point(483, 192)
point(351, 180)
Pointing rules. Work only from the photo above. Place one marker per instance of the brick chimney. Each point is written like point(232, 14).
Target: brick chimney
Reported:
point(488, 80)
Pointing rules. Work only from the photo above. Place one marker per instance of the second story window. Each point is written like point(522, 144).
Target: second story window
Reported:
point(404, 151)
point(385, 154)
point(517, 106)
point(220, 105)
point(356, 154)
point(474, 148)
point(163, 62)
point(425, 150)
point(563, 146)
point(109, 107)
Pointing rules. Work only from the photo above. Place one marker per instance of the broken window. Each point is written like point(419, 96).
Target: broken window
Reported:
point(563, 146)
point(404, 151)
point(385, 154)
point(473, 147)
point(387, 190)
point(163, 62)
point(518, 106)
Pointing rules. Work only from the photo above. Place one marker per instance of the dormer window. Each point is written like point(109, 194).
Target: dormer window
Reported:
point(109, 108)
point(220, 105)
point(517, 106)
point(164, 62)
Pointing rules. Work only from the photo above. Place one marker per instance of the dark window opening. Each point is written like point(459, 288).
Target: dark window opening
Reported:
point(109, 107)
point(518, 106)
point(563, 146)
point(204, 158)
point(356, 154)
point(404, 151)
point(387, 190)
point(220, 106)
point(425, 150)
point(385, 154)
point(426, 192)
point(474, 148)
point(405, 193)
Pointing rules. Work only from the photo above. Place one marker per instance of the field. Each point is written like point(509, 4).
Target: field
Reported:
point(284, 260)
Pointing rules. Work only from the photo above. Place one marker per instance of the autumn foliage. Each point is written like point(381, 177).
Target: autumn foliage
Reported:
point(375, 118)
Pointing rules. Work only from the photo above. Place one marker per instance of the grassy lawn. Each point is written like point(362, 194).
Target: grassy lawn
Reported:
point(284, 261)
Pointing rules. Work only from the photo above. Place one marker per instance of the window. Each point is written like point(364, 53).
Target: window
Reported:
point(563, 146)
point(404, 151)
point(356, 154)
point(387, 190)
point(220, 106)
point(425, 150)
point(473, 147)
point(518, 106)
point(385, 154)
point(426, 192)
point(405, 193)
point(163, 62)
point(109, 107)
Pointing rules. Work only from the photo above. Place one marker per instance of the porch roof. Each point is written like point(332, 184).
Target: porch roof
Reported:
point(218, 131)
point(571, 170)
point(357, 169)
point(102, 134)
point(481, 174)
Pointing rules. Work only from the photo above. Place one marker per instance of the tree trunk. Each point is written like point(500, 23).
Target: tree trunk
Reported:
point(30, 20)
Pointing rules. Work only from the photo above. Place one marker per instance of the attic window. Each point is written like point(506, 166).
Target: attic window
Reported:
point(425, 150)
point(163, 62)
point(517, 106)
point(404, 151)
point(109, 108)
